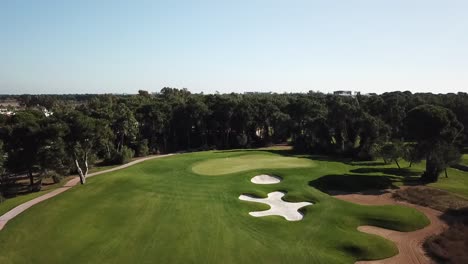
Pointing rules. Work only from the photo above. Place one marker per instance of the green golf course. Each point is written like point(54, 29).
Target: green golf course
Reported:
point(185, 209)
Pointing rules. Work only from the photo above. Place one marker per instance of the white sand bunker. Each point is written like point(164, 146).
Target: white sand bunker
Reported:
point(278, 206)
point(265, 179)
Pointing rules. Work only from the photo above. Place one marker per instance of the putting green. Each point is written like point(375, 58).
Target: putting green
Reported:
point(229, 165)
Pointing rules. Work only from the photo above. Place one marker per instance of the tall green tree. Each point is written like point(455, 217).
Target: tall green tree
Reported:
point(2, 157)
point(343, 119)
point(393, 152)
point(24, 142)
point(435, 129)
point(52, 152)
point(372, 131)
point(242, 121)
point(450, 156)
point(153, 123)
point(124, 125)
point(84, 138)
point(221, 115)
point(412, 154)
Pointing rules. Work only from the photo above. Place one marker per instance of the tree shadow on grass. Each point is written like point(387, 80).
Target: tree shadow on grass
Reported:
point(284, 152)
point(461, 167)
point(391, 171)
point(367, 163)
point(406, 176)
point(292, 153)
point(354, 183)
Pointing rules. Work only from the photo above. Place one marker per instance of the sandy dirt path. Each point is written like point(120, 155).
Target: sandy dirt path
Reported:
point(23, 207)
point(409, 243)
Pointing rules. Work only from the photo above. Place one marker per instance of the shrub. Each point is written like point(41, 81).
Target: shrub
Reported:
point(56, 177)
point(120, 157)
point(143, 149)
point(450, 245)
point(206, 147)
point(242, 140)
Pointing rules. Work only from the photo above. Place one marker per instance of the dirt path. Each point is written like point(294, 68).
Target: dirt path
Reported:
point(409, 243)
point(23, 207)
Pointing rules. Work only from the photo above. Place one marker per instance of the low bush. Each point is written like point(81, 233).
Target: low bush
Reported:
point(142, 149)
point(451, 245)
point(430, 197)
point(56, 177)
point(120, 157)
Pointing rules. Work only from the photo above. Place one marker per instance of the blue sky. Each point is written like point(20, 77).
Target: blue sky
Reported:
point(102, 46)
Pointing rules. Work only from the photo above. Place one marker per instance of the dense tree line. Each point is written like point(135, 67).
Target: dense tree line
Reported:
point(85, 129)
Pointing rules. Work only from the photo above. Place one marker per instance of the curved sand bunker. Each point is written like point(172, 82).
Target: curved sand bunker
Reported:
point(265, 179)
point(278, 206)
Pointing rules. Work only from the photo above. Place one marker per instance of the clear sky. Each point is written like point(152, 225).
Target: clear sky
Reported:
point(100, 46)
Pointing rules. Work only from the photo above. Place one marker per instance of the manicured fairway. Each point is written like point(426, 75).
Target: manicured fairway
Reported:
point(160, 211)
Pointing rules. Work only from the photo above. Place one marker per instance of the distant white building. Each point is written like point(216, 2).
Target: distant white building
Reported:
point(4, 111)
point(46, 112)
point(346, 93)
point(370, 94)
point(257, 92)
point(7, 112)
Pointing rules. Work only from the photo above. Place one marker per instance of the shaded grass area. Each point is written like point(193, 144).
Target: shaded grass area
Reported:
point(406, 172)
point(354, 182)
point(456, 183)
point(160, 211)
